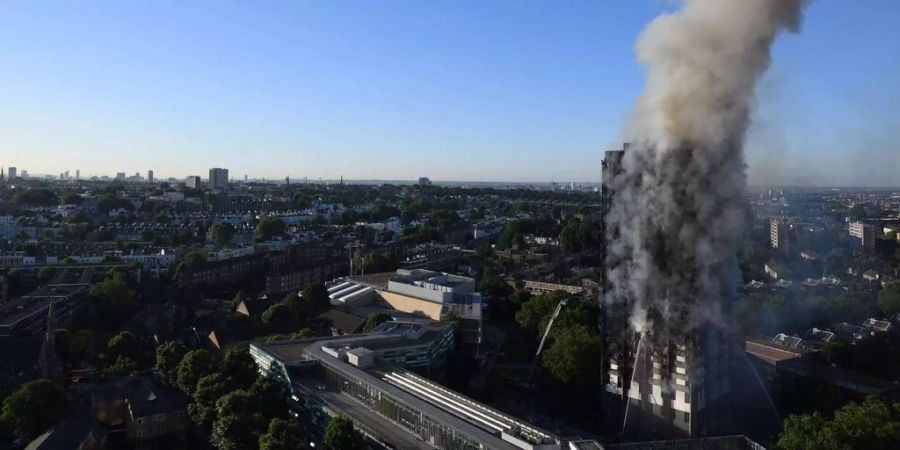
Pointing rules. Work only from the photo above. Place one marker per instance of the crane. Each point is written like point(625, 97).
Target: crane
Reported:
point(544, 338)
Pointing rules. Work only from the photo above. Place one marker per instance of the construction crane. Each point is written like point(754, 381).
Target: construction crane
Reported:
point(544, 338)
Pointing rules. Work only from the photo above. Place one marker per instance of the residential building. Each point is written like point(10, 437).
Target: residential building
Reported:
point(432, 257)
point(540, 287)
point(424, 181)
point(192, 182)
point(318, 272)
point(862, 236)
point(778, 235)
point(11, 173)
point(150, 176)
point(142, 408)
point(218, 178)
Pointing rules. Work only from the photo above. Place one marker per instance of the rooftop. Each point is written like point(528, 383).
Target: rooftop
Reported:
point(464, 415)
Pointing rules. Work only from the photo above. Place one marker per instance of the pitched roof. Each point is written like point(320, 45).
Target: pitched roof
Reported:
point(145, 397)
point(344, 322)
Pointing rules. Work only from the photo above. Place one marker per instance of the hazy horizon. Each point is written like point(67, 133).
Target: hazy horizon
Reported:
point(466, 92)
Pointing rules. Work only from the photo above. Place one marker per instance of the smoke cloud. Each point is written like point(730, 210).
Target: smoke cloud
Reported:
point(678, 208)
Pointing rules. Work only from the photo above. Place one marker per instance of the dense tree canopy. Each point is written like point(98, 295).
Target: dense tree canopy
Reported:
point(237, 431)
point(168, 357)
point(36, 197)
point(573, 354)
point(267, 228)
point(210, 388)
point(374, 319)
point(889, 299)
point(317, 294)
point(113, 299)
point(221, 234)
point(195, 365)
point(282, 435)
point(577, 235)
point(340, 435)
point(124, 344)
point(34, 407)
point(871, 425)
point(533, 313)
point(121, 367)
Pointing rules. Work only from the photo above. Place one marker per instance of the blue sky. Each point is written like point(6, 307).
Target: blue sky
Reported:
point(461, 90)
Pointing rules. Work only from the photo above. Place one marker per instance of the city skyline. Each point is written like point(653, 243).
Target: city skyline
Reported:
point(471, 92)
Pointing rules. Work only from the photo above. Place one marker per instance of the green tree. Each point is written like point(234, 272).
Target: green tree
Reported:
point(168, 357)
point(195, 365)
point(858, 211)
point(267, 228)
point(236, 430)
point(532, 313)
point(13, 278)
point(374, 319)
point(270, 398)
point(871, 425)
point(36, 197)
point(572, 355)
point(493, 285)
point(301, 307)
point(78, 218)
point(317, 294)
point(453, 319)
point(190, 262)
point(239, 365)
point(302, 334)
point(221, 234)
point(277, 313)
point(380, 262)
point(121, 367)
point(34, 407)
point(512, 229)
point(282, 435)
point(889, 299)
point(46, 274)
point(113, 299)
point(210, 388)
point(124, 344)
point(71, 198)
point(340, 435)
point(244, 415)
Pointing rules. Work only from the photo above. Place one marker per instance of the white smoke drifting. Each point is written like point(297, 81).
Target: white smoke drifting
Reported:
point(677, 212)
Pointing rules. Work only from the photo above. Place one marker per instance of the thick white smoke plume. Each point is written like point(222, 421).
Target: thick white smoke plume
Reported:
point(677, 211)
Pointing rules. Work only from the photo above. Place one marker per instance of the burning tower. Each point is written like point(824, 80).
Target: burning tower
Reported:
point(674, 207)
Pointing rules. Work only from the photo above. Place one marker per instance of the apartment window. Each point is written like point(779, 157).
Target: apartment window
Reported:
point(158, 417)
point(140, 420)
